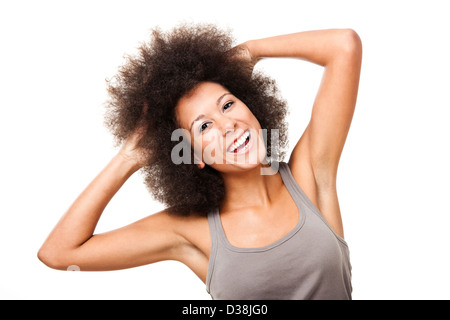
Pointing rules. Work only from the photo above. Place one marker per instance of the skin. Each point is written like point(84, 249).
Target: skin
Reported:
point(223, 121)
point(254, 203)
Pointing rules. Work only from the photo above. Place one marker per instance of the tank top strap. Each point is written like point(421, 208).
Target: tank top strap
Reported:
point(214, 227)
point(298, 195)
point(213, 216)
point(294, 189)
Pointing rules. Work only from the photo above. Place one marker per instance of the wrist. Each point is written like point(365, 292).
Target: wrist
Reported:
point(253, 50)
point(126, 164)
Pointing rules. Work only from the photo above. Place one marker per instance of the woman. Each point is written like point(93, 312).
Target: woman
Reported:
point(249, 226)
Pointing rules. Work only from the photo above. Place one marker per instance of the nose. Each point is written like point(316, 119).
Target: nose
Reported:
point(229, 125)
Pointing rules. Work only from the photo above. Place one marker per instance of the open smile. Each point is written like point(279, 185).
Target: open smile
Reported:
point(241, 145)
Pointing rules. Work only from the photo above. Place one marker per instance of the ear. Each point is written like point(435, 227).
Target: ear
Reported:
point(201, 165)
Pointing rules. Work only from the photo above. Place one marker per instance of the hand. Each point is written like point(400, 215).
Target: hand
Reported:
point(130, 150)
point(243, 52)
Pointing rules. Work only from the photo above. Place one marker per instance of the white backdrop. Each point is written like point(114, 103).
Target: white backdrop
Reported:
point(393, 180)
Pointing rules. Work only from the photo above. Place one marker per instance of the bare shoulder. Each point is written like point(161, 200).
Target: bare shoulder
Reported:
point(193, 229)
point(194, 240)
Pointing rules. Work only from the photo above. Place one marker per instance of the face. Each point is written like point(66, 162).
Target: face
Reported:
point(223, 132)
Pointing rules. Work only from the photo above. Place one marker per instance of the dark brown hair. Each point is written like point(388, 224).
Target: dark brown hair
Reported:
point(165, 69)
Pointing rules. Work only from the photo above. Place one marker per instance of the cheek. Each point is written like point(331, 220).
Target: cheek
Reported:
point(204, 141)
point(250, 118)
point(206, 144)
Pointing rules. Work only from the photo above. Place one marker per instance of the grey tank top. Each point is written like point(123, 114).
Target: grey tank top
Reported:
point(311, 262)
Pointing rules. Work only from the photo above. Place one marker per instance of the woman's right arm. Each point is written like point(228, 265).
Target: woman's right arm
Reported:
point(72, 241)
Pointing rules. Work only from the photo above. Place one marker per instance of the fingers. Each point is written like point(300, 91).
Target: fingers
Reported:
point(240, 52)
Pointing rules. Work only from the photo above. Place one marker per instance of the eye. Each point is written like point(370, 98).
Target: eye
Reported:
point(228, 105)
point(204, 126)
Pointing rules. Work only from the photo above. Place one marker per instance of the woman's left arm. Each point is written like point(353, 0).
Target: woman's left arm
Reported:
point(339, 51)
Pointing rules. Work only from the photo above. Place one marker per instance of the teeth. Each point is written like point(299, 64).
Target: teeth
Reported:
point(241, 140)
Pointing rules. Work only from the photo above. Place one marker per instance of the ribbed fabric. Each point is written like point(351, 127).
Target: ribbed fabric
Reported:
point(310, 262)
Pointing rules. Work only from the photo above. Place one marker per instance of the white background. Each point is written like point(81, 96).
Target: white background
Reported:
point(393, 180)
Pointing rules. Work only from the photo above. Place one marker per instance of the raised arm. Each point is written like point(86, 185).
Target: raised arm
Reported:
point(319, 149)
point(72, 241)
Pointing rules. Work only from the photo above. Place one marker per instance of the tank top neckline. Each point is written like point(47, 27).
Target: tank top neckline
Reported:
point(291, 187)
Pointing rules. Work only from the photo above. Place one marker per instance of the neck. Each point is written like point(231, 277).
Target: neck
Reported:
point(249, 188)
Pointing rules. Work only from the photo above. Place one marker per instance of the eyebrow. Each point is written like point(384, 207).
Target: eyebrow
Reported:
point(196, 119)
point(202, 115)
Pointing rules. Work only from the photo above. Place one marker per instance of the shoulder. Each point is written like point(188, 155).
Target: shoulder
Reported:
point(176, 222)
point(192, 232)
point(193, 240)
point(183, 224)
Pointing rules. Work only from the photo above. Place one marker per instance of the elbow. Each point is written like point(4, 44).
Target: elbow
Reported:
point(50, 258)
point(351, 43)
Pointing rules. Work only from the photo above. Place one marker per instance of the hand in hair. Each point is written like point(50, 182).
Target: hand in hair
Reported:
point(130, 150)
point(243, 52)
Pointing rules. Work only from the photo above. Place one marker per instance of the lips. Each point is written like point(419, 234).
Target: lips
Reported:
point(239, 142)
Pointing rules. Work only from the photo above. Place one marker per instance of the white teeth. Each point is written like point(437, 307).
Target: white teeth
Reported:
point(241, 140)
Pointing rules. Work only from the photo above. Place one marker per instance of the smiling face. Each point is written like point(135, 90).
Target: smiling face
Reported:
point(224, 133)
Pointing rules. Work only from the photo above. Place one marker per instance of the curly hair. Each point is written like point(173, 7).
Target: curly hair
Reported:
point(166, 68)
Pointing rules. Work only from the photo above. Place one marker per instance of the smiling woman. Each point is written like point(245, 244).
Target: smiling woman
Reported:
point(229, 118)
point(247, 233)
point(176, 71)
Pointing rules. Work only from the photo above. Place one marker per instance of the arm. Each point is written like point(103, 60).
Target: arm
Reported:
point(319, 149)
point(72, 241)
